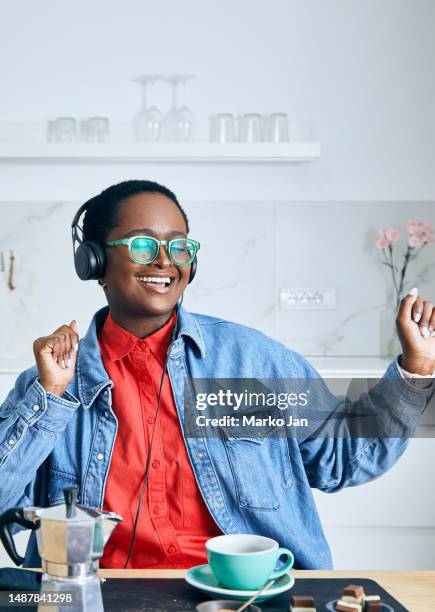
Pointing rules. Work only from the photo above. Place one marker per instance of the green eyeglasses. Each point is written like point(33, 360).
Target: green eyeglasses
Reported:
point(145, 249)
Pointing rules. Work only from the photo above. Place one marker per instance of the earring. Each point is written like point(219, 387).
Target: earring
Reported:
point(102, 282)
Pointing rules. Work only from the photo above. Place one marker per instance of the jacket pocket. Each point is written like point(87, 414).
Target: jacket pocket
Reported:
point(261, 469)
point(57, 481)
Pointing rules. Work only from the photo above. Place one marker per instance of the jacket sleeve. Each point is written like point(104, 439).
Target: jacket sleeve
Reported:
point(31, 421)
point(335, 457)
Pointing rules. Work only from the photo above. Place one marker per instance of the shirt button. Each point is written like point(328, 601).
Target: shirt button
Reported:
point(106, 413)
point(157, 510)
point(11, 442)
point(156, 464)
point(172, 549)
point(150, 420)
point(35, 408)
point(176, 363)
point(199, 455)
point(100, 456)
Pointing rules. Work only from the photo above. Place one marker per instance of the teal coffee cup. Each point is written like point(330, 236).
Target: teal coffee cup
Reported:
point(246, 561)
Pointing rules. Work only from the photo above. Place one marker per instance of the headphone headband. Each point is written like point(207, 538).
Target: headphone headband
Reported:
point(79, 213)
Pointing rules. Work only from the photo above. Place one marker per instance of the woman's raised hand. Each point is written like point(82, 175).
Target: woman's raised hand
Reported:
point(56, 358)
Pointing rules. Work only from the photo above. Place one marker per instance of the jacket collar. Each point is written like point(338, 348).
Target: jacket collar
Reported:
point(92, 378)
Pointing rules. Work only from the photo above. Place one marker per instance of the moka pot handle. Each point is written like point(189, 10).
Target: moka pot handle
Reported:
point(14, 515)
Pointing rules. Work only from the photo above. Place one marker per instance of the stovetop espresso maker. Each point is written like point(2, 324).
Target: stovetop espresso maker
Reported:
point(70, 539)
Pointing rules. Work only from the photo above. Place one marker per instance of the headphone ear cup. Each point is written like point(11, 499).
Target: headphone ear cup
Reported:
point(192, 270)
point(90, 260)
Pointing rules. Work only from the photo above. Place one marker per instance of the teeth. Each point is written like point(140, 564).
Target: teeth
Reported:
point(154, 279)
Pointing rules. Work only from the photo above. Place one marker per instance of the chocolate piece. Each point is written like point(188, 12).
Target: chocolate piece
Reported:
point(372, 598)
point(347, 606)
point(302, 601)
point(373, 606)
point(354, 590)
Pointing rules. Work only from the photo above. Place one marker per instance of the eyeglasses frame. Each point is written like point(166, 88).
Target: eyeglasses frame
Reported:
point(166, 243)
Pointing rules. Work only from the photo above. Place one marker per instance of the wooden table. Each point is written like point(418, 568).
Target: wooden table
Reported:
point(415, 590)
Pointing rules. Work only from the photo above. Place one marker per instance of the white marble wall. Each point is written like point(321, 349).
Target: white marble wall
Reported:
point(249, 250)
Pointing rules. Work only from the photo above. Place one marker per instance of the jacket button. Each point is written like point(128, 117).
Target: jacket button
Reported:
point(199, 455)
point(176, 363)
point(100, 456)
point(217, 504)
point(157, 510)
point(172, 549)
point(150, 420)
point(11, 442)
point(35, 408)
point(156, 464)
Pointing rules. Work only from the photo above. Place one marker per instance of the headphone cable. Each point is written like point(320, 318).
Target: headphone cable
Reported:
point(147, 468)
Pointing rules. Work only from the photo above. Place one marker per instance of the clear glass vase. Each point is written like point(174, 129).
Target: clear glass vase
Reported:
point(390, 346)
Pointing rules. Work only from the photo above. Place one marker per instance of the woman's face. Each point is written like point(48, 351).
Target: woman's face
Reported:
point(151, 214)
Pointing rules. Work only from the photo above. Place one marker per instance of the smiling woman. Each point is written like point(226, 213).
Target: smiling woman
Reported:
point(148, 219)
point(110, 413)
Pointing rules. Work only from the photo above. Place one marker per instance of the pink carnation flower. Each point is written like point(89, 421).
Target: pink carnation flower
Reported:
point(415, 227)
point(414, 241)
point(427, 233)
point(382, 243)
point(392, 234)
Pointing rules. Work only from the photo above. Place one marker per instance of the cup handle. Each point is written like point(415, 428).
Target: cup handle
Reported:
point(287, 565)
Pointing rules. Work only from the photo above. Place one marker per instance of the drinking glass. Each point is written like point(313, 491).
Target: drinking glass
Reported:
point(276, 127)
point(95, 129)
point(178, 122)
point(148, 122)
point(250, 128)
point(222, 128)
point(62, 129)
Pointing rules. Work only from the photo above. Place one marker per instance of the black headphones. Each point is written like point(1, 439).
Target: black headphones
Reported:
point(90, 255)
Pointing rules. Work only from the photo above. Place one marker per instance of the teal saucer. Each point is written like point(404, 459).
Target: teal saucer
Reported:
point(202, 578)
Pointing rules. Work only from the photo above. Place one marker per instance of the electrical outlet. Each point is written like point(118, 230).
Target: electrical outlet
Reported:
point(304, 298)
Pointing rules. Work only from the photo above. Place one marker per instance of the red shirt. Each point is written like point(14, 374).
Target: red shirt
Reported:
point(174, 522)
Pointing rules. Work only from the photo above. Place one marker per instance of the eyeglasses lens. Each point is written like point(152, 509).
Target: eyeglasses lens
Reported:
point(182, 251)
point(143, 249)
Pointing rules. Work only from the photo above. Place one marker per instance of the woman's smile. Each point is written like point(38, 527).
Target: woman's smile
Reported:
point(160, 283)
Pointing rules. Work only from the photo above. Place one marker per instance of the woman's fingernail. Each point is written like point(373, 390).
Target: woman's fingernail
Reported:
point(413, 291)
point(425, 332)
point(417, 317)
point(432, 334)
point(69, 362)
point(76, 346)
point(63, 363)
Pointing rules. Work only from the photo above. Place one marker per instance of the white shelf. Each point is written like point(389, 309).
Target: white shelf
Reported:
point(350, 367)
point(160, 152)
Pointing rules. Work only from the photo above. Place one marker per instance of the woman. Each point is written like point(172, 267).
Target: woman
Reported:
point(105, 413)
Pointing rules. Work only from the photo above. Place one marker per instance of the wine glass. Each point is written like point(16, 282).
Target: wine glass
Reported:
point(178, 123)
point(148, 122)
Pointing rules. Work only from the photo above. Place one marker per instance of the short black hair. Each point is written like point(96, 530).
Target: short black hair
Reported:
point(101, 214)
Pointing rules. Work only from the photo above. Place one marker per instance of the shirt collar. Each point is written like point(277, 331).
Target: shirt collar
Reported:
point(91, 375)
point(119, 342)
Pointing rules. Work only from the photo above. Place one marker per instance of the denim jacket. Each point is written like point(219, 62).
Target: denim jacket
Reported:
point(249, 486)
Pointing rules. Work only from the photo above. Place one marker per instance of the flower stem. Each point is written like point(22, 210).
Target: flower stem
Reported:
point(389, 256)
